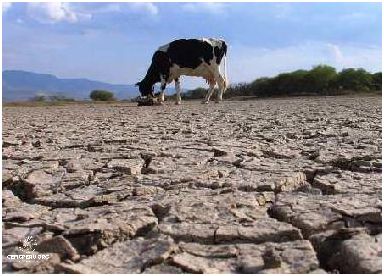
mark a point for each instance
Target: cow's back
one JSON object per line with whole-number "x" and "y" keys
{"x": 188, "y": 53}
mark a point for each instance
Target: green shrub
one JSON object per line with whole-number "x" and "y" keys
{"x": 354, "y": 79}
{"x": 59, "y": 98}
{"x": 101, "y": 95}
{"x": 39, "y": 98}
{"x": 376, "y": 83}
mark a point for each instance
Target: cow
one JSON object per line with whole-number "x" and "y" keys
{"x": 186, "y": 57}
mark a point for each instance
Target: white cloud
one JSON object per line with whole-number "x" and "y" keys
{"x": 6, "y": 6}
{"x": 207, "y": 7}
{"x": 355, "y": 56}
{"x": 143, "y": 7}
{"x": 97, "y": 8}
{"x": 335, "y": 52}
{"x": 103, "y": 8}
{"x": 53, "y": 12}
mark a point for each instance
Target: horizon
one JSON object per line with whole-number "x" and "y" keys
{"x": 272, "y": 76}
{"x": 114, "y": 42}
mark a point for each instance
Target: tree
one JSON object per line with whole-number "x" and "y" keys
{"x": 262, "y": 87}
{"x": 320, "y": 78}
{"x": 354, "y": 79}
{"x": 287, "y": 83}
{"x": 376, "y": 80}
{"x": 297, "y": 82}
{"x": 238, "y": 89}
{"x": 101, "y": 95}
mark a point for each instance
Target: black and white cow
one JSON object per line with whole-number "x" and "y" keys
{"x": 188, "y": 57}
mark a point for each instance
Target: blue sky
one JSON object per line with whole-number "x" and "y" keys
{"x": 114, "y": 42}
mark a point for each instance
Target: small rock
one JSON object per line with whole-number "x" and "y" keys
{"x": 128, "y": 166}
{"x": 163, "y": 268}
{"x": 193, "y": 264}
{"x": 132, "y": 257}
{"x": 10, "y": 142}
{"x": 73, "y": 165}
{"x": 219, "y": 152}
{"x": 361, "y": 254}
{"x": 60, "y": 245}
{"x": 38, "y": 184}
{"x": 36, "y": 144}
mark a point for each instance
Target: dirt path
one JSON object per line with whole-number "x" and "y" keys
{"x": 268, "y": 186}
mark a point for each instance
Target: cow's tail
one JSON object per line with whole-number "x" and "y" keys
{"x": 225, "y": 46}
{"x": 225, "y": 71}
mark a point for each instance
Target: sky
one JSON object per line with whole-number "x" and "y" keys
{"x": 114, "y": 42}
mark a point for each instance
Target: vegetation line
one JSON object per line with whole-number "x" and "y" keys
{"x": 320, "y": 80}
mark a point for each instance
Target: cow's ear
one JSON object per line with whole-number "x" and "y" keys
{"x": 138, "y": 83}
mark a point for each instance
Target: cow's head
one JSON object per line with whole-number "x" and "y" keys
{"x": 145, "y": 88}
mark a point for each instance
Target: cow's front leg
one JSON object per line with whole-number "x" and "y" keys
{"x": 178, "y": 91}
{"x": 222, "y": 87}
{"x": 162, "y": 88}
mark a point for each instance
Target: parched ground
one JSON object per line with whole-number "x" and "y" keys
{"x": 266, "y": 186}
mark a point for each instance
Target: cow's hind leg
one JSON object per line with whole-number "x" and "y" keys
{"x": 222, "y": 87}
{"x": 212, "y": 84}
{"x": 178, "y": 91}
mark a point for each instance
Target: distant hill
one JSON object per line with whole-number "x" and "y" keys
{"x": 22, "y": 85}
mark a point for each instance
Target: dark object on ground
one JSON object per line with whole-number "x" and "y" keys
{"x": 144, "y": 101}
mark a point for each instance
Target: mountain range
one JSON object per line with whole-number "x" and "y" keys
{"x": 21, "y": 85}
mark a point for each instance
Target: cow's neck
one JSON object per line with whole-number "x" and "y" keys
{"x": 152, "y": 76}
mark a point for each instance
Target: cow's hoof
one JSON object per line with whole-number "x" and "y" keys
{"x": 177, "y": 103}
{"x": 161, "y": 103}
{"x": 217, "y": 101}
{"x": 204, "y": 102}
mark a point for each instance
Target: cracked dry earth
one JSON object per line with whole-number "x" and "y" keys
{"x": 267, "y": 186}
